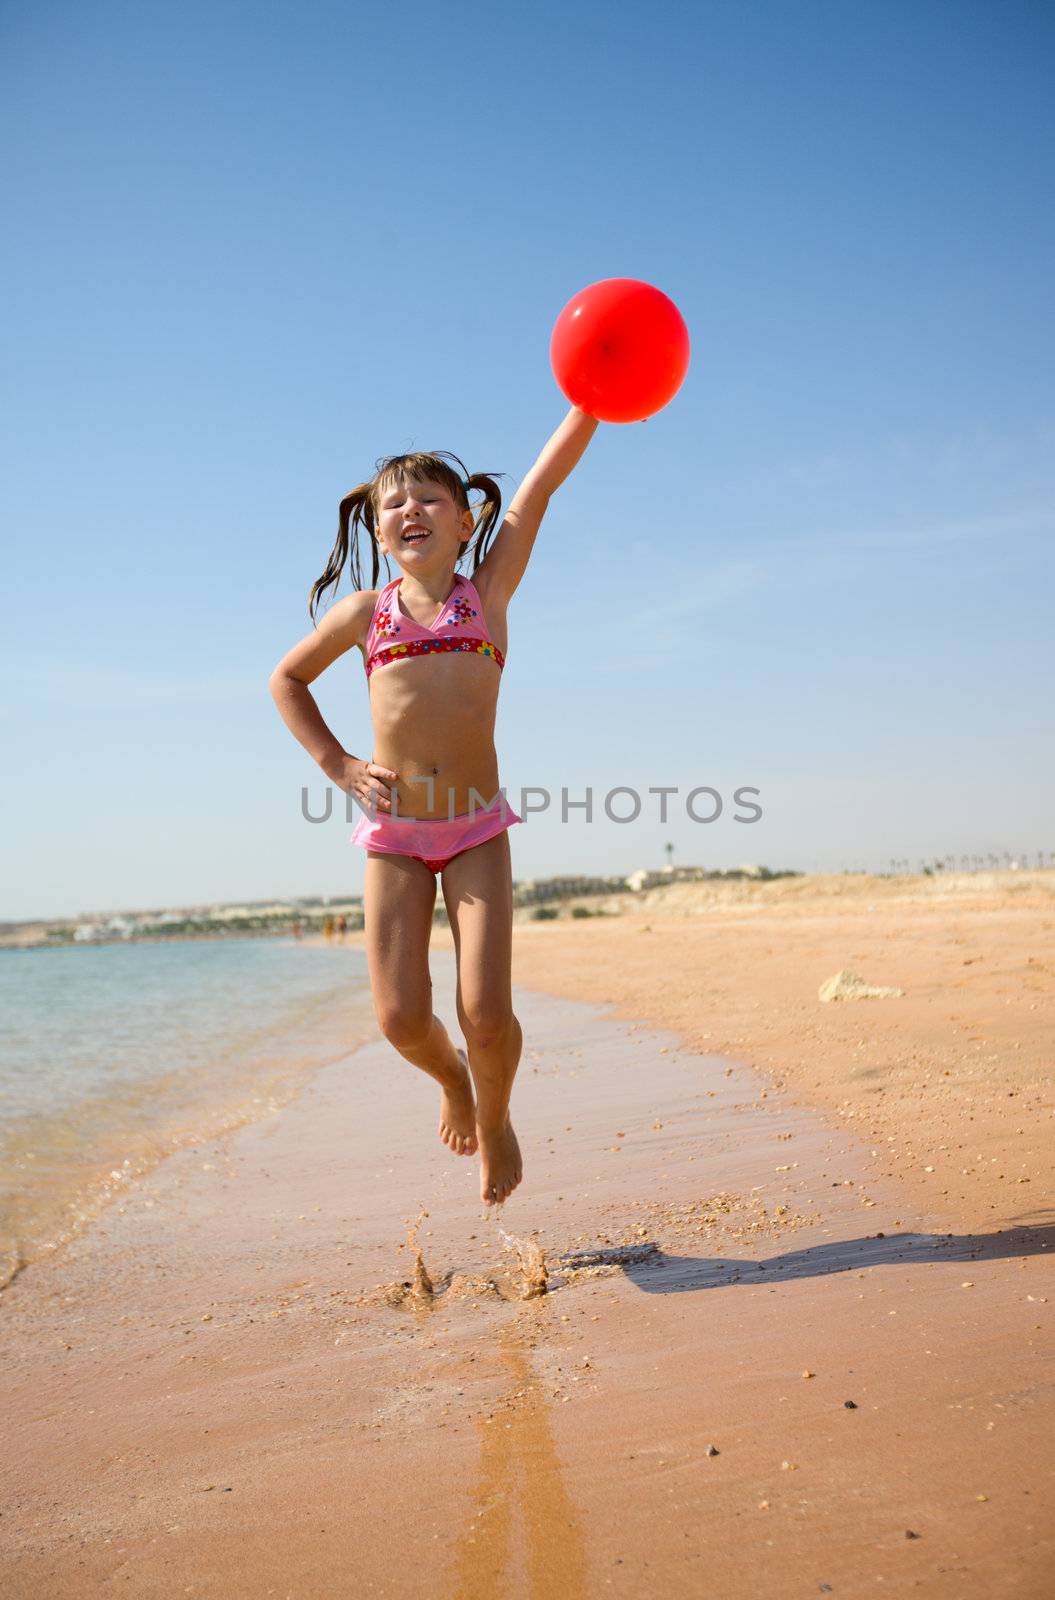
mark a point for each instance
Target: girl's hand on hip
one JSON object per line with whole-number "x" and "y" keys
{"x": 369, "y": 783}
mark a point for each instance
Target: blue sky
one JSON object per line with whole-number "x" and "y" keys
{"x": 253, "y": 248}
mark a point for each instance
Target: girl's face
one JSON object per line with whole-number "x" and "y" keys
{"x": 420, "y": 526}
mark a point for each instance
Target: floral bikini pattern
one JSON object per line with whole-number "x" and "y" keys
{"x": 425, "y": 647}
{"x": 461, "y": 612}
{"x": 385, "y": 628}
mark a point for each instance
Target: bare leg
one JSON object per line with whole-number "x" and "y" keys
{"x": 398, "y": 900}
{"x": 478, "y": 891}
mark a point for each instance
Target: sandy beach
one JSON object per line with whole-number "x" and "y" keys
{"x": 953, "y": 1080}
{"x": 770, "y": 1314}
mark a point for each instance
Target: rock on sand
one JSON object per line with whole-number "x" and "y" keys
{"x": 847, "y": 985}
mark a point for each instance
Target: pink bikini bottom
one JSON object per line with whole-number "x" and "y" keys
{"x": 433, "y": 841}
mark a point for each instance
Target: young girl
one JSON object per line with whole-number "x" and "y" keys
{"x": 433, "y": 643}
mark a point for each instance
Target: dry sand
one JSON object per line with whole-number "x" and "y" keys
{"x": 301, "y": 1361}
{"x": 956, "y": 1076}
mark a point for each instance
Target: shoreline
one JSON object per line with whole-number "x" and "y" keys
{"x": 173, "y": 938}
{"x": 65, "y": 1164}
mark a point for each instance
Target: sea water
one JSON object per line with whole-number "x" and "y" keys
{"x": 113, "y": 1056}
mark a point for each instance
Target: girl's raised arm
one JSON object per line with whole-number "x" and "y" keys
{"x": 506, "y": 562}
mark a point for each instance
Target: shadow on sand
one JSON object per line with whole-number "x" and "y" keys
{"x": 655, "y": 1272}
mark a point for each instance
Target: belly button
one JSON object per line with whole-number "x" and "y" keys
{"x": 435, "y": 772}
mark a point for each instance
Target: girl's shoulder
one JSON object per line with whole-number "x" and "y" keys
{"x": 362, "y": 600}
{"x": 367, "y": 599}
{"x": 351, "y": 618}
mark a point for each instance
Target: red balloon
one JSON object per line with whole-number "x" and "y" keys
{"x": 620, "y": 350}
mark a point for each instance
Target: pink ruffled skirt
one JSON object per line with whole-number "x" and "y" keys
{"x": 436, "y": 840}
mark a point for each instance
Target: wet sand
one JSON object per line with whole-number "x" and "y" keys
{"x": 243, "y": 1381}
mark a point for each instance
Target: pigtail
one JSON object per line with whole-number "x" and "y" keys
{"x": 487, "y": 514}
{"x": 356, "y": 509}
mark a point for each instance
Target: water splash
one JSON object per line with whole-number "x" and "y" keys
{"x": 421, "y": 1287}
{"x": 531, "y": 1260}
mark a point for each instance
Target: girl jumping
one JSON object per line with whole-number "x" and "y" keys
{"x": 433, "y": 643}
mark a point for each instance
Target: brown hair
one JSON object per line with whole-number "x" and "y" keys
{"x": 359, "y": 508}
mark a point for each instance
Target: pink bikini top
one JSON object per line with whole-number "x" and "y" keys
{"x": 458, "y": 625}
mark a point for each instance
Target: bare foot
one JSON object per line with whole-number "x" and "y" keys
{"x": 501, "y": 1167}
{"x": 458, "y": 1114}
